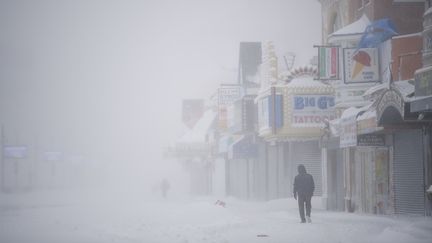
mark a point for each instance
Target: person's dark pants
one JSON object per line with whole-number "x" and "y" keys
{"x": 302, "y": 200}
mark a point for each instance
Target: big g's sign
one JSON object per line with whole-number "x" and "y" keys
{"x": 312, "y": 110}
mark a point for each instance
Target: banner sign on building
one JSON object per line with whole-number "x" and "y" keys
{"x": 312, "y": 110}
{"x": 361, "y": 65}
{"x": 227, "y": 94}
{"x": 328, "y": 62}
{"x": 348, "y": 137}
{"x": 15, "y": 152}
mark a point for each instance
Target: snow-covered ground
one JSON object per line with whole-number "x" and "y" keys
{"x": 91, "y": 217}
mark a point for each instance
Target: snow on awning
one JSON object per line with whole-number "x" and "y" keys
{"x": 335, "y": 126}
{"x": 374, "y": 89}
{"x": 405, "y": 88}
{"x": 353, "y": 111}
{"x": 363, "y": 113}
{"x": 199, "y": 132}
{"x": 371, "y": 113}
{"x": 356, "y": 28}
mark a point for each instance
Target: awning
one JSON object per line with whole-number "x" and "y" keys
{"x": 406, "y": 88}
{"x": 348, "y": 135}
{"x": 395, "y": 105}
{"x": 422, "y": 104}
{"x": 355, "y": 29}
{"x": 376, "y": 89}
{"x": 243, "y": 148}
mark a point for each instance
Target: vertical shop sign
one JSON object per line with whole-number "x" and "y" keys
{"x": 328, "y": 62}
{"x": 227, "y": 94}
{"x": 348, "y": 137}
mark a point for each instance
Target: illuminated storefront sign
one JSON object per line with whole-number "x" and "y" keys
{"x": 312, "y": 110}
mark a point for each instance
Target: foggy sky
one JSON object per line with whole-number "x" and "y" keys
{"x": 106, "y": 78}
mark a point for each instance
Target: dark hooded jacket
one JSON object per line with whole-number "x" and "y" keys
{"x": 303, "y": 183}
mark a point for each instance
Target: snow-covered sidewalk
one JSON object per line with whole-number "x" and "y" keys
{"x": 67, "y": 218}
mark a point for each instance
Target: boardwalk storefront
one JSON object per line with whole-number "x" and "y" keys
{"x": 291, "y": 118}
{"x": 385, "y": 163}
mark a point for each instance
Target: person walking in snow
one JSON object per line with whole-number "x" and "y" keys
{"x": 304, "y": 187}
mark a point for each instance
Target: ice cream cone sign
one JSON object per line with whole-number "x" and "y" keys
{"x": 362, "y": 59}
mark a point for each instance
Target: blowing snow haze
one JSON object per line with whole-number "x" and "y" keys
{"x": 105, "y": 79}
{"x": 215, "y": 121}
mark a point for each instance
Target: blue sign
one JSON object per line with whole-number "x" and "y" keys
{"x": 276, "y": 113}
{"x": 312, "y": 110}
{"x": 307, "y": 102}
{"x": 15, "y": 152}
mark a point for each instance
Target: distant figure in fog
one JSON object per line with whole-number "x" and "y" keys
{"x": 165, "y": 186}
{"x": 304, "y": 187}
